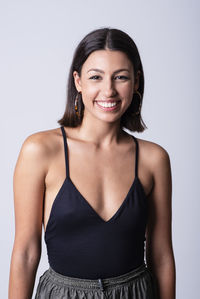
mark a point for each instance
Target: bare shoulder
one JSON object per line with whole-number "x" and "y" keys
{"x": 41, "y": 140}
{"x": 38, "y": 149}
{"x": 151, "y": 147}
{"x": 154, "y": 155}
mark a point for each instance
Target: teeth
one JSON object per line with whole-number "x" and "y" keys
{"x": 107, "y": 104}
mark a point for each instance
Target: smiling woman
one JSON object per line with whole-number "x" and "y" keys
{"x": 101, "y": 193}
{"x": 107, "y": 92}
{"x": 108, "y": 48}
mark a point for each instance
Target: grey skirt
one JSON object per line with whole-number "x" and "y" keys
{"x": 136, "y": 284}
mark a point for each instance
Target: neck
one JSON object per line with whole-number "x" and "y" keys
{"x": 103, "y": 134}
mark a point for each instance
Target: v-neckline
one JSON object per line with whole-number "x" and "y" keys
{"x": 94, "y": 211}
{"x": 79, "y": 193}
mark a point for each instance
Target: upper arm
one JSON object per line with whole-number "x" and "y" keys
{"x": 158, "y": 234}
{"x": 29, "y": 187}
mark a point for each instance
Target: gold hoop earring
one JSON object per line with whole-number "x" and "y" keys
{"x": 76, "y": 105}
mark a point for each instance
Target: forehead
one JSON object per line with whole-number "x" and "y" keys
{"x": 104, "y": 59}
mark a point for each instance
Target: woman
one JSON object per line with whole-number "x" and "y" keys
{"x": 102, "y": 194}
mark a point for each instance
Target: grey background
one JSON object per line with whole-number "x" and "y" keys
{"x": 38, "y": 39}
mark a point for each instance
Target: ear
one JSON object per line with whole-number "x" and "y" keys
{"x": 137, "y": 81}
{"x": 77, "y": 81}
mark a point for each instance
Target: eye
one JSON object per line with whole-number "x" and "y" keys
{"x": 96, "y": 77}
{"x": 122, "y": 77}
{"x": 93, "y": 77}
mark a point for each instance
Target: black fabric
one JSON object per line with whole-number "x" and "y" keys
{"x": 81, "y": 244}
{"x": 136, "y": 284}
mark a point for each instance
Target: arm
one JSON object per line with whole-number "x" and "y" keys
{"x": 159, "y": 249}
{"x": 28, "y": 186}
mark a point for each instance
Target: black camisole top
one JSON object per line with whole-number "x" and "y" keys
{"x": 81, "y": 244}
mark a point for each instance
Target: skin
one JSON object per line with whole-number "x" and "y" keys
{"x": 98, "y": 146}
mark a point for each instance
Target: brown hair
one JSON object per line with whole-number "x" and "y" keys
{"x": 113, "y": 39}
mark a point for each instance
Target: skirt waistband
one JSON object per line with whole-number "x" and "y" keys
{"x": 96, "y": 283}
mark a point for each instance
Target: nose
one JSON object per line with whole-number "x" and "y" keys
{"x": 109, "y": 88}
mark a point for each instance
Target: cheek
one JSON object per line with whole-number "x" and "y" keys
{"x": 126, "y": 91}
{"x": 89, "y": 88}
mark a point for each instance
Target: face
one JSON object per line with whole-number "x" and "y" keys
{"x": 107, "y": 84}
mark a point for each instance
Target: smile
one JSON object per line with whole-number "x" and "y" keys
{"x": 108, "y": 106}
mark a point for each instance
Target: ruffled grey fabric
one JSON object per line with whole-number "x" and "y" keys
{"x": 137, "y": 284}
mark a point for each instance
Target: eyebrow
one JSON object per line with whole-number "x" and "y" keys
{"x": 100, "y": 71}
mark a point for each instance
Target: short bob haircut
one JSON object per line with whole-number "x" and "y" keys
{"x": 100, "y": 39}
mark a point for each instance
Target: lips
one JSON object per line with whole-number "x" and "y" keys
{"x": 108, "y": 101}
{"x": 109, "y": 105}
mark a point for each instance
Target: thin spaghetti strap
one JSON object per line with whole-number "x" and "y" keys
{"x": 136, "y": 156}
{"x": 66, "y": 150}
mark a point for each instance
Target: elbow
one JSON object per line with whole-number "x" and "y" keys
{"x": 29, "y": 255}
